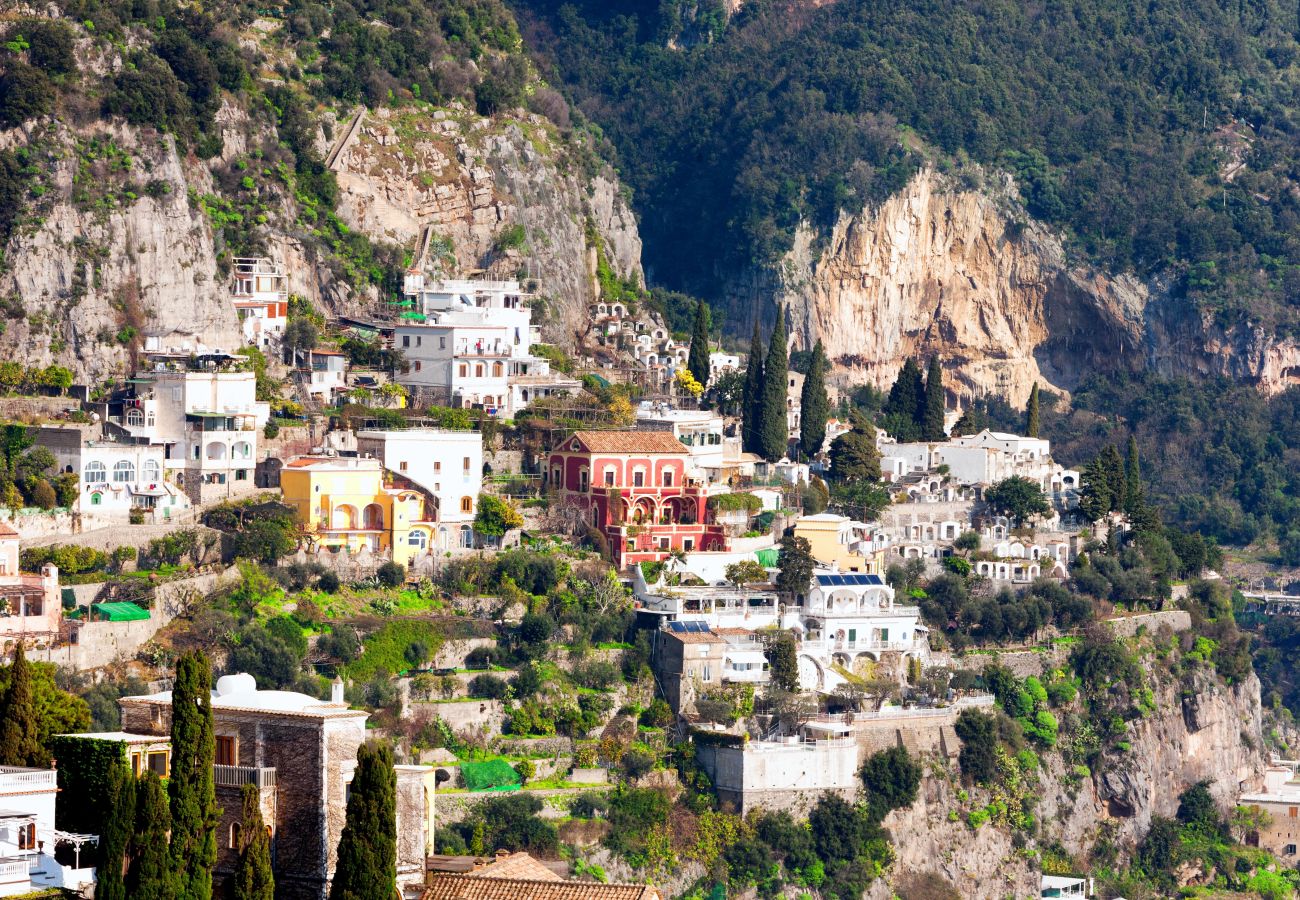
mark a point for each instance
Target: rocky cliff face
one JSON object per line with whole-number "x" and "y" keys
{"x": 469, "y": 181}
{"x": 958, "y": 272}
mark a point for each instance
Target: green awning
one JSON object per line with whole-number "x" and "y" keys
{"x": 767, "y": 558}
{"x": 491, "y": 775}
{"x": 413, "y": 317}
{"x": 119, "y": 612}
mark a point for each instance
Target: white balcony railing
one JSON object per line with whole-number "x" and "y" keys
{"x": 238, "y": 776}
{"x": 14, "y": 870}
{"x": 833, "y": 646}
{"x": 24, "y": 779}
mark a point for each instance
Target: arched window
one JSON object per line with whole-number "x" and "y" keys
{"x": 497, "y": 370}
{"x": 96, "y": 498}
{"x": 466, "y": 537}
{"x": 243, "y": 450}
{"x": 152, "y": 471}
{"x": 123, "y": 470}
{"x": 95, "y": 472}
{"x": 417, "y": 539}
{"x": 134, "y": 417}
{"x": 467, "y": 504}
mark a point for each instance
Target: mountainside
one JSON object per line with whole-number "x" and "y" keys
{"x": 1152, "y": 149}
{"x": 146, "y": 145}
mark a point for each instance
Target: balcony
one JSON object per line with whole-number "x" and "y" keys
{"x": 16, "y": 869}
{"x": 238, "y": 776}
{"x": 818, "y": 645}
{"x": 19, "y": 779}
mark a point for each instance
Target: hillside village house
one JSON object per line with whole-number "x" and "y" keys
{"x": 325, "y": 374}
{"x": 722, "y": 363}
{"x": 1280, "y": 798}
{"x": 700, "y": 432}
{"x": 843, "y": 544}
{"x": 30, "y": 840}
{"x": 115, "y": 477}
{"x": 473, "y": 348}
{"x": 981, "y": 459}
{"x": 261, "y": 294}
{"x": 300, "y": 753}
{"x": 344, "y": 504}
{"x": 635, "y": 488}
{"x": 205, "y": 416}
{"x": 447, "y": 464}
{"x": 30, "y": 604}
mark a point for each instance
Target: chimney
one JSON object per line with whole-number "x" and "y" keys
{"x": 336, "y": 690}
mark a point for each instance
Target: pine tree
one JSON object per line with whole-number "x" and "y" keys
{"x": 905, "y": 398}
{"x": 1133, "y": 496}
{"x": 1031, "y": 413}
{"x": 751, "y": 398}
{"x": 253, "y": 879}
{"x": 116, "y": 833}
{"x": 774, "y": 428}
{"x": 193, "y": 794}
{"x": 697, "y": 361}
{"x": 932, "y": 404}
{"x": 153, "y": 875}
{"x": 367, "y": 859}
{"x": 20, "y": 743}
{"x": 815, "y": 404}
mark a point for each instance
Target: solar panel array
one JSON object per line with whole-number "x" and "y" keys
{"x": 690, "y": 627}
{"x": 849, "y": 580}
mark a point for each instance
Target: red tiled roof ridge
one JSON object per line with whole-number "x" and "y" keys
{"x": 629, "y": 442}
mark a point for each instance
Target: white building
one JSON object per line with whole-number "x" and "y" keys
{"x": 115, "y": 477}
{"x": 447, "y": 464}
{"x": 207, "y": 422}
{"x": 788, "y": 773}
{"x": 699, "y": 430}
{"x": 261, "y": 294}
{"x": 29, "y": 840}
{"x": 326, "y": 373}
{"x": 984, "y": 458}
{"x": 722, "y": 363}
{"x": 474, "y": 348}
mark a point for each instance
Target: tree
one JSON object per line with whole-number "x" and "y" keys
{"x": 193, "y": 794}
{"x": 854, "y": 457}
{"x": 978, "y": 756}
{"x": 796, "y": 567}
{"x": 904, "y": 403}
{"x": 1017, "y": 497}
{"x": 783, "y": 663}
{"x": 1133, "y": 496}
{"x": 967, "y": 542}
{"x": 154, "y": 874}
{"x": 253, "y": 879}
{"x": 697, "y": 361}
{"x": 495, "y": 516}
{"x": 265, "y": 540}
{"x": 774, "y": 428}
{"x": 747, "y": 571}
{"x": 932, "y": 404}
{"x": 116, "y": 832}
{"x": 1095, "y": 500}
{"x": 1031, "y": 412}
{"x": 300, "y": 336}
{"x": 892, "y": 778}
{"x": 25, "y": 93}
{"x": 751, "y": 398}
{"x": 814, "y": 404}
{"x": 686, "y": 382}
{"x": 391, "y": 574}
{"x": 20, "y": 743}
{"x": 367, "y": 856}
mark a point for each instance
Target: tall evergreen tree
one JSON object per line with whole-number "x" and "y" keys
{"x": 932, "y": 404}
{"x": 1112, "y": 469}
{"x": 20, "y": 743}
{"x": 796, "y": 567}
{"x": 1031, "y": 413}
{"x": 751, "y": 398}
{"x": 783, "y": 662}
{"x": 253, "y": 879}
{"x": 1133, "y": 495}
{"x": 153, "y": 875}
{"x": 905, "y": 398}
{"x": 1094, "y": 497}
{"x": 116, "y": 833}
{"x": 697, "y": 361}
{"x": 774, "y": 429}
{"x": 193, "y": 794}
{"x": 814, "y": 403}
{"x": 367, "y": 859}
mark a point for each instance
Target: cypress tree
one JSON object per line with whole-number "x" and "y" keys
{"x": 20, "y": 743}
{"x": 115, "y": 838}
{"x": 751, "y": 402}
{"x": 815, "y": 404}
{"x": 367, "y": 859}
{"x": 153, "y": 875}
{"x": 253, "y": 879}
{"x": 1133, "y": 497}
{"x": 193, "y": 794}
{"x": 697, "y": 361}
{"x": 905, "y": 398}
{"x": 1111, "y": 468}
{"x": 932, "y": 404}
{"x": 1031, "y": 413}
{"x": 774, "y": 429}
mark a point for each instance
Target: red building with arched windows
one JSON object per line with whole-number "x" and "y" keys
{"x": 637, "y": 491}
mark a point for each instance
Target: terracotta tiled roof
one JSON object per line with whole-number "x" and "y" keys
{"x": 6, "y": 531}
{"x": 478, "y": 887}
{"x": 518, "y": 866}
{"x": 625, "y": 442}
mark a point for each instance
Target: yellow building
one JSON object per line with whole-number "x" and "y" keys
{"x": 342, "y": 502}
{"x": 840, "y": 542}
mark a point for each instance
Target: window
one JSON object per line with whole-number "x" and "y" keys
{"x": 583, "y": 476}
{"x": 158, "y": 763}
{"x": 1292, "y": 812}
{"x": 226, "y": 750}
{"x": 27, "y": 836}
{"x": 497, "y": 371}
{"x": 96, "y": 499}
{"x": 1288, "y": 850}
{"x": 234, "y": 836}
{"x": 437, "y": 466}
{"x": 668, "y": 477}
{"x": 609, "y": 477}
{"x": 663, "y": 543}
{"x": 463, "y": 370}
{"x": 466, "y": 537}
{"x": 688, "y": 545}
{"x": 123, "y": 471}
{"x": 706, "y": 674}
{"x": 401, "y": 466}
{"x": 417, "y": 539}
{"x": 853, "y": 635}
{"x": 417, "y": 365}
{"x": 466, "y": 466}
{"x": 467, "y": 504}
{"x": 638, "y": 478}
{"x": 442, "y": 343}
{"x": 406, "y": 340}
{"x": 95, "y": 472}
{"x": 152, "y": 471}
{"x": 134, "y": 417}
{"x": 478, "y": 370}
{"x": 241, "y": 474}
{"x": 137, "y": 763}
{"x": 418, "y": 340}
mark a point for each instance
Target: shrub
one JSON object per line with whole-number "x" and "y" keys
{"x": 488, "y": 687}
{"x": 391, "y": 574}
{"x": 657, "y": 715}
{"x": 636, "y": 764}
{"x": 481, "y": 657}
{"x": 589, "y": 805}
{"x": 25, "y": 93}
{"x": 328, "y": 582}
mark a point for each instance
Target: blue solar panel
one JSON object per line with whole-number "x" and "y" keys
{"x": 851, "y": 579}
